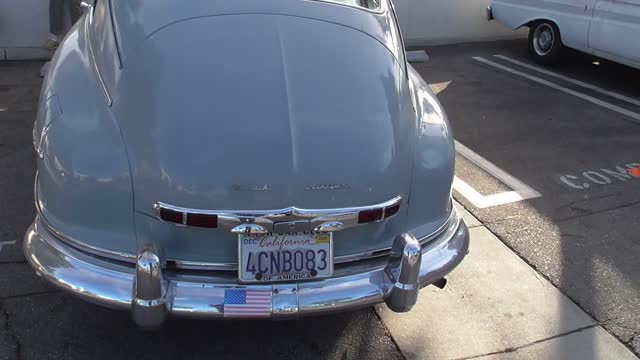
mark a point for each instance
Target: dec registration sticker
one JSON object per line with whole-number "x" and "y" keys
{"x": 285, "y": 257}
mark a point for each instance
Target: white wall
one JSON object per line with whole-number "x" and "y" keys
{"x": 24, "y": 28}
{"x": 435, "y": 22}
{"x": 24, "y": 24}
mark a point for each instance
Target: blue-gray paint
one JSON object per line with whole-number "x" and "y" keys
{"x": 327, "y": 100}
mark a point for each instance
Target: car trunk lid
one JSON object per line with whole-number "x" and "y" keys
{"x": 261, "y": 112}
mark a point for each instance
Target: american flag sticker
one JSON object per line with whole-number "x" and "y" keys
{"x": 247, "y": 303}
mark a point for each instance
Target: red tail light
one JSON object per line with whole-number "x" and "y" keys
{"x": 202, "y": 220}
{"x": 389, "y": 211}
{"x": 171, "y": 216}
{"x": 369, "y": 216}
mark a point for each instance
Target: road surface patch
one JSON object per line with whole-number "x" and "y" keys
{"x": 570, "y": 80}
{"x": 635, "y": 117}
{"x": 6, "y": 243}
{"x": 520, "y": 190}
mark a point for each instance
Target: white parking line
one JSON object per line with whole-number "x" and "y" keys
{"x": 6, "y": 243}
{"x": 571, "y": 80}
{"x": 580, "y": 95}
{"x": 521, "y": 191}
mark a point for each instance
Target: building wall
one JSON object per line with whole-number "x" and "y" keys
{"x": 24, "y": 29}
{"x": 24, "y": 25}
{"x": 436, "y": 22}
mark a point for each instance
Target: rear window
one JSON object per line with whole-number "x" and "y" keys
{"x": 367, "y": 4}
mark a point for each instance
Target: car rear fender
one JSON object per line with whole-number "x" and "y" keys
{"x": 433, "y": 161}
{"x": 83, "y": 189}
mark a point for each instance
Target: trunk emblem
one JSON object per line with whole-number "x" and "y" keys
{"x": 238, "y": 187}
{"x": 325, "y": 187}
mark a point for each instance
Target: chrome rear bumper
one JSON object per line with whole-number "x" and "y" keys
{"x": 152, "y": 293}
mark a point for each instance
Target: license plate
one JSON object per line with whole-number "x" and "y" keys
{"x": 285, "y": 257}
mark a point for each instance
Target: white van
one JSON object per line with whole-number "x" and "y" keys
{"x": 609, "y": 29}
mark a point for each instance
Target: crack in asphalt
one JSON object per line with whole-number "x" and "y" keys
{"x": 623, "y": 206}
{"x": 629, "y": 343}
{"x": 2, "y": 298}
{"x": 598, "y": 197}
{"x": 516, "y": 348}
{"x": 558, "y": 220}
{"x": 11, "y": 334}
{"x": 13, "y": 262}
{"x": 613, "y": 323}
{"x": 388, "y": 332}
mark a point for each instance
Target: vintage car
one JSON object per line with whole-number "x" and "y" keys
{"x": 603, "y": 28}
{"x": 241, "y": 159}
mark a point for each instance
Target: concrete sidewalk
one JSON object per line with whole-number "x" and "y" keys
{"x": 498, "y": 307}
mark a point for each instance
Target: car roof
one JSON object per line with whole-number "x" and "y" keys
{"x": 135, "y": 20}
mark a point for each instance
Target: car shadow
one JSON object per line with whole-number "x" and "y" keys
{"x": 61, "y": 326}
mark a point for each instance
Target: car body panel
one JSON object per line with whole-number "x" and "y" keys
{"x": 571, "y": 16}
{"x": 273, "y": 114}
{"x": 309, "y": 118}
{"x": 298, "y": 107}
{"x": 434, "y": 153}
{"x": 600, "y": 27}
{"x": 266, "y": 110}
{"x": 615, "y": 28}
{"x": 103, "y": 46}
{"x": 83, "y": 186}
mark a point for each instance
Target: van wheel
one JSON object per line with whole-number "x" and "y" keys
{"x": 545, "y": 44}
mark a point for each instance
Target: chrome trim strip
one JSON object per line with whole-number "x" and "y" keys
{"x": 279, "y": 212}
{"x": 249, "y": 229}
{"x": 453, "y": 221}
{"x": 115, "y": 34}
{"x": 230, "y": 219}
{"x": 203, "y": 266}
{"x": 329, "y": 227}
{"x": 377, "y": 11}
{"x": 39, "y": 148}
{"x": 90, "y": 249}
{"x": 95, "y": 65}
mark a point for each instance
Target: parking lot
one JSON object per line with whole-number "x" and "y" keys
{"x": 570, "y": 134}
{"x": 543, "y": 165}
